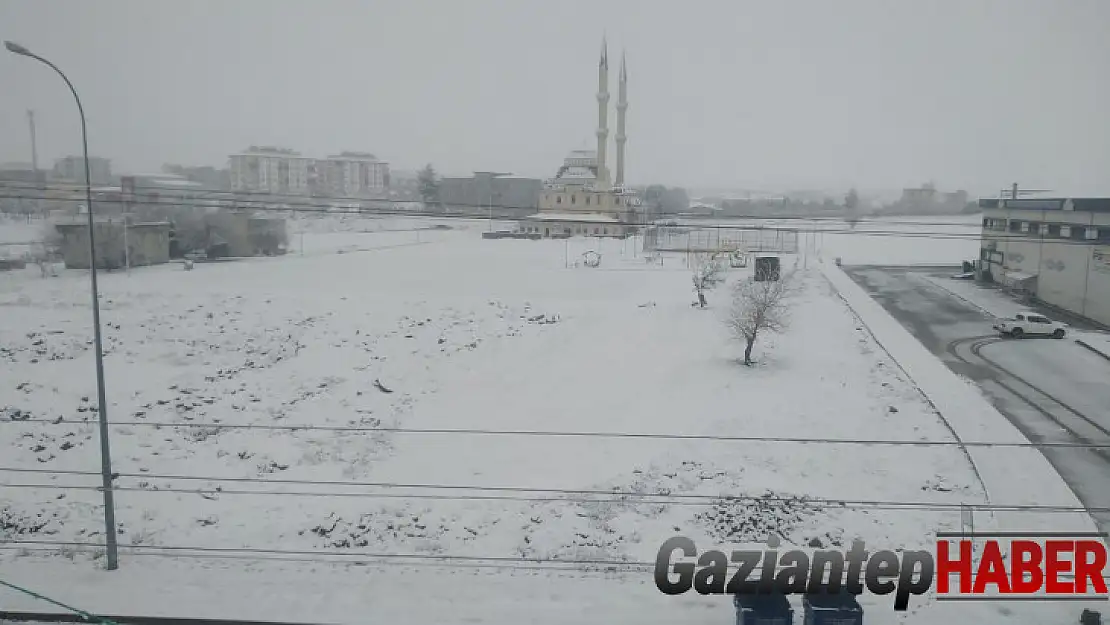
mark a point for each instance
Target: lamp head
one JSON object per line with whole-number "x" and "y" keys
{"x": 16, "y": 48}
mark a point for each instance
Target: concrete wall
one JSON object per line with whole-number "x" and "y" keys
{"x": 1062, "y": 274}
{"x": 549, "y": 227}
{"x": 1096, "y": 303}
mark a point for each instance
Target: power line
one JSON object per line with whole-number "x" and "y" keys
{"x": 377, "y": 558}
{"x": 175, "y": 550}
{"x": 271, "y": 197}
{"x": 580, "y": 434}
{"x": 680, "y": 229}
{"x": 340, "y": 558}
{"x": 308, "y": 205}
{"x": 573, "y": 496}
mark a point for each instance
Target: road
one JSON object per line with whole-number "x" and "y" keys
{"x": 1052, "y": 390}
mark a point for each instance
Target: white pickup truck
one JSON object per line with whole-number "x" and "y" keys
{"x": 1030, "y": 324}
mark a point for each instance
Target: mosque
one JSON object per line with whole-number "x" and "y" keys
{"x": 583, "y": 199}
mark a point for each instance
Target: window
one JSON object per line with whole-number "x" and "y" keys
{"x": 595, "y": 230}
{"x": 587, "y": 200}
{"x": 573, "y": 199}
{"x": 558, "y": 199}
{"x": 1092, "y": 234}
{"x": 1043, "y": 229}
{"x": 1015, "y": 225}
{"x": 1019, "y": 317}
{"x": 986, "y": 223}
{"x": 1064, "y": 232}
{"x": 1024, "y": 227}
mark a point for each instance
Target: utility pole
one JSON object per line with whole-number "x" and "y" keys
{"x": 110, "y": 546}
{"x": 34, "y": 155}
{"x": 34, "y": 142}
{"x": 126, "y": 227}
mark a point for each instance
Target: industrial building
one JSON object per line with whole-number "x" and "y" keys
{"x": 1056, "y": 250}
{"x": 491, "y": 193}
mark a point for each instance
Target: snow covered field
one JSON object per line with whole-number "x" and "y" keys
{"x": 255, "y": 408}
{"x": 942, "y": 239}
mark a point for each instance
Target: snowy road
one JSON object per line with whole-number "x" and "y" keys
{"x": 1053, "y": 391}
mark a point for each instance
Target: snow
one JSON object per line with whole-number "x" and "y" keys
{"x": 972, "y": 419}
{"x": 478, "y": 335}
{"x": 891, "y": 241}
{"x": 1097, "y": 341}
{"x": 996, "y": 303}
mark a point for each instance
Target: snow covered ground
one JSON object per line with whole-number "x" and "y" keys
{"x": 946, "y": 240}
{"x": 244, "y": 396}
{"x": 997, "y": 304}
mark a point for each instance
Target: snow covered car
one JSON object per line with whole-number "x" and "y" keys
{"x": 1030, "y": 324}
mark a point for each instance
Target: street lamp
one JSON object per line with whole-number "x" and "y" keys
{"x": 102, "y": 403}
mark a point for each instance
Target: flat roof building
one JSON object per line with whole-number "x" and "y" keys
{"x": 1054, "y": 249}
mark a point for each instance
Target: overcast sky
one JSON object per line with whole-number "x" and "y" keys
{"x": 727, "y": 93}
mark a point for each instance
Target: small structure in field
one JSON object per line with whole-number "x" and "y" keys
{"x": 142, "y": 244}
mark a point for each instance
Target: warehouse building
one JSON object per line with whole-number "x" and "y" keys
{"x": 1056, "y": 250}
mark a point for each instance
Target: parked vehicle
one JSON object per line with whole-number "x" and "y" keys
{"x": 1030, "y": 324}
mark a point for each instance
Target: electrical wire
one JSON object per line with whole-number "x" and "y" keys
{"x": 580, "y": 434}
{"x": 531, "y": 212}
{"x": 376, "y": 558}
{"x": 270, "y": 198}
{"x": 574, "y": 496}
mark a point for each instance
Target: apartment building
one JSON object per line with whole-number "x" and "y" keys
{"x": 1057, "y": 250}
{"x": 352, "y": 175}
{"x": 268, "y": 169}
{"x": 72, "y": 168}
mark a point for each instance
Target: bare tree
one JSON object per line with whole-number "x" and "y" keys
{"x": 48, "y": 251}
{"x": 851, "y": 208}
{"x": 708, "y": 273}
{"x": 758, "y": 307}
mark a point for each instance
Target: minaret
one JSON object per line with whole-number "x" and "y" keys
{"x": 602, "y": 115}
{"x": 622, "y": 106}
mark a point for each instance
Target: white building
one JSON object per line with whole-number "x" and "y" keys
{"x": 582, "y": 198}
{"x": 1057, "y": 250}
{"x": 271, "y": 170}
{"x": 352, "y": 175}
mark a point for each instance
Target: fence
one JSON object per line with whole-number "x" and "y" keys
{"x": 718, "y": 239}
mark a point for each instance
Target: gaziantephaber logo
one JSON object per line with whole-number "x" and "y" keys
{"x": 996, "y": 566}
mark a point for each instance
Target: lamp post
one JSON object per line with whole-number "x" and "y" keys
{"x": 102, "y": 403}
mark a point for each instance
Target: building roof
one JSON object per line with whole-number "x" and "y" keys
{"x": 83, "y": 223}
{"x": 353, "y": 156}
{"x": 1088, "y": 205}
{"x": 590, "y": 217}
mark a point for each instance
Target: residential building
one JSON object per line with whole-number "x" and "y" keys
{"x": 1056, "y": 250}
{"x": 352, "y": 175}
{"x": 72, "y": 168}
{"x": 272, "y": 170}
{"x": 491, "y": 193}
